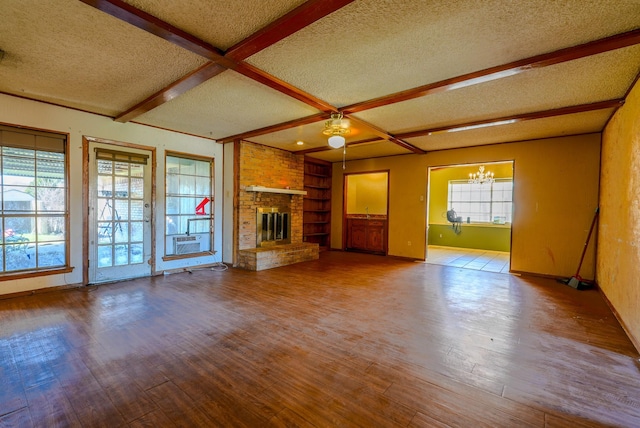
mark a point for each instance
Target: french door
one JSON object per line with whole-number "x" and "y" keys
{"x": 120, "y": 214}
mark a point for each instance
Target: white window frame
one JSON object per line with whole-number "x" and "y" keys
{"x": 468, "y": 200}
{"x": 182, "y": 223}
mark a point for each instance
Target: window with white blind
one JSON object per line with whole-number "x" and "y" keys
{"x": 189, "y": 201}
{"x": 482, "y": 203}
{"x": 33, "y": 211}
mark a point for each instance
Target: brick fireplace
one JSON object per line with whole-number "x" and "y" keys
{"x": 272, "y": 169}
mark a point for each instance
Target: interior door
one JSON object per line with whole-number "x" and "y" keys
{"x": 120, "y": 214}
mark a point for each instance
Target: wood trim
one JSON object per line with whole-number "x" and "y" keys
{"x": 149, "y": 23}
{"x": 67, "y": 222}
{"x": 34, "y": 273}
{"x": 351, "y": 144}
{"x": 493, "y": 73}
{"x": 213, "y": 140}
{"x": 519, "y": 118}
{"x": 300, "y": 17}
{"x": 85, "y": 212}
{"x": 283, "y": 87}
{"x": 85, "y": 197}
{"x": 236, "y": 201}
{"x": 187, "y": 155}
{"x": 275, "y": 128}
{"x": 317, "y": 161}
{"x": 166, "y": 31}
{"x": 385, "y": 135}
{"x": 179, "y": 87}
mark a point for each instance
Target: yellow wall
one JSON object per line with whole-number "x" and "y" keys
{"x": 555, "y": 195}
{"x": 439, "y": 185}
{"x": 619, "y": 224}
{"x": 367, "y": 193}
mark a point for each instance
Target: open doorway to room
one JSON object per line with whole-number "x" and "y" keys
{"x": 365, "y": 214}
{"x": 470, "y": 208}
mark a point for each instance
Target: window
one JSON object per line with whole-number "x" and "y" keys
{"x": 482, "y": 203}
{"x": 33, "y": 214}
{"x": 189, "y": 197}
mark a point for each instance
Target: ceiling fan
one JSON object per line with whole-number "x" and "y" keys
{"x": 336, "y": 128}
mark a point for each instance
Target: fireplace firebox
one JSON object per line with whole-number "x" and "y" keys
{"x": 273, "y": 227}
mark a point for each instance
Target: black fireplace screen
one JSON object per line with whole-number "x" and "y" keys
{"x": 273, "y": 227}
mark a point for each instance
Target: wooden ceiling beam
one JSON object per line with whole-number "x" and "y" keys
{"x": 275, "y": 128}
{"x": 283, "y": 87}
{"x": 351, "y": 144}
{"x": 386, "y": 136}
{"x": 616, "y": 103}
{"x": 563, "y": 55}
{"x": 583, "y": 108}
{"x": 293, "y": 21}
{"x": 178, "y": 87}
{"x": 149, "y": 23}
{"x": 300, "y": 17}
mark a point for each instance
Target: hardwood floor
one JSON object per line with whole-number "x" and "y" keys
{"x": 349, "y": 340}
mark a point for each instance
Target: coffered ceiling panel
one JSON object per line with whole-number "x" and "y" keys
{"x": 214, "y": 21}
{"x": 311, "y": 135}
{"x": 226, "y": 105}
{"x": 68, "y": 53}
{"x": 539, "y": 89}
{"x": 371, "y": 48}
{"x": 362, "y": 151}
{"x": 573, "y": 124}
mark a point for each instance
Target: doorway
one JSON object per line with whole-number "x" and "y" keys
{"x": 120, "y": 219}
{"x": 366, "y": 206}
{"x": 469, "y": 215}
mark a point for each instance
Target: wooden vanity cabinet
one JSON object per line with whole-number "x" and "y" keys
{"x": 367, "y": 235}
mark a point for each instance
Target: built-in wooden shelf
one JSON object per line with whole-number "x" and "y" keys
{"x": 316, "y": 218}
{"x": 311, "y": 186}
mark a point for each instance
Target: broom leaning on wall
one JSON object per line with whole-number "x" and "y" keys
{"x": 576, "y": 281}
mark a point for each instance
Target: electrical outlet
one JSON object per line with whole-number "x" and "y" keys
{"x": 441, "y": 235}
{"x": 409, "y": 243}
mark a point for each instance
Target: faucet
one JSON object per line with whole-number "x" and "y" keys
{"x": 367, "y": 209}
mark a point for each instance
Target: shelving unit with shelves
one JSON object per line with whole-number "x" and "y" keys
{"x": 316, "y": 220}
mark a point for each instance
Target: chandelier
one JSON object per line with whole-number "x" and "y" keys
{"x": 336, "y": 128}
{"x": 481, "y": 177}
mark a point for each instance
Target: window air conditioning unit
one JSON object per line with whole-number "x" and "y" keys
{"x": 187, "y": 244}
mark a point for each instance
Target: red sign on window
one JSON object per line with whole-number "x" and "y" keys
{"x": 201, "y": 205}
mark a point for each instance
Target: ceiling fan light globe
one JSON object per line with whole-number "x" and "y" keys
{"x": 336, "y": 141}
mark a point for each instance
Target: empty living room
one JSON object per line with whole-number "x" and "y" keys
{"x": 319, "y": 213}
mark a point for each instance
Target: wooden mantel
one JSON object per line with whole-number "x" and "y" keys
{"x": 274, "y": 190}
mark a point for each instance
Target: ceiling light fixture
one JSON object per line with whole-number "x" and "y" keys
{"x": 336, "y": 128}
{"x": 481, "y": 177}
{"x": 300, "y": 143}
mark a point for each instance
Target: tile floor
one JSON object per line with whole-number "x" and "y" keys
{"x": 469, "y": 258}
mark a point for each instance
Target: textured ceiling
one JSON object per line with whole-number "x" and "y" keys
{"x": 572, "y": 124}
{"x": 68, "y": 53}
{"x": 307, "y": 58}
{"x": 372, "y": 48}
